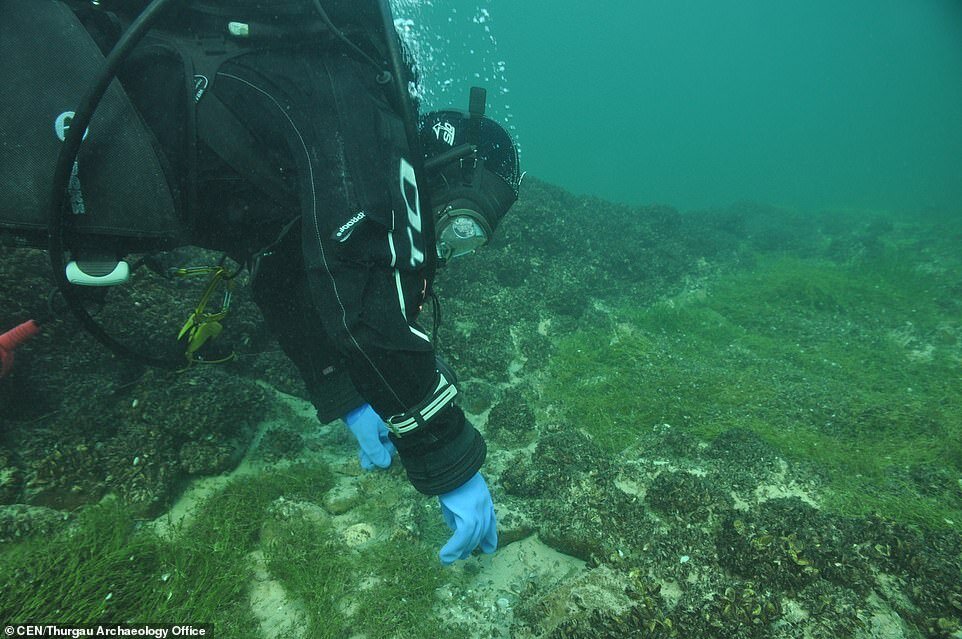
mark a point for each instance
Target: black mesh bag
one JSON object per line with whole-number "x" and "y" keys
{"x": 120, "y": 191}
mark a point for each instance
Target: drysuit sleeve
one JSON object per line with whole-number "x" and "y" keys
{"x": 444, "y": 455}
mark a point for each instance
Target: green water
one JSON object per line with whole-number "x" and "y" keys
{"x": 854, "y": 104}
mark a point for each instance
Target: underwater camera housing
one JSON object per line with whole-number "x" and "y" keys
{"x": 473, "y": 173}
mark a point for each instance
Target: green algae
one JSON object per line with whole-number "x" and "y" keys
{"x": 107, "y": 570}
{"x": 850, "y": 367}
{"x": 110, "y": 567}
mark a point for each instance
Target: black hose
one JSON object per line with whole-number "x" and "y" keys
{"x": 65, "y": 161}
{"x": 383, "y": 76}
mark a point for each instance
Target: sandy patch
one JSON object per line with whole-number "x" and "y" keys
{"x": 328, "y": 447}
{"x": 482, "y": 605}
{"x": 278, "y": 615}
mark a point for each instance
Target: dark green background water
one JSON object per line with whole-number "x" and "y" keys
{"x": 821, "y": 103}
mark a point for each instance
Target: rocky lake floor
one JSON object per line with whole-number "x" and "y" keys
{"x": 744, "y": 422}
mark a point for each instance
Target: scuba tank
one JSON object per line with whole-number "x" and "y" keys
{"x": 121, "y": 193}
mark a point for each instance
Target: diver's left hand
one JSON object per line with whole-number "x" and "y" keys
{"x": 469, "y": 512}
{"x": 372, "y": 437}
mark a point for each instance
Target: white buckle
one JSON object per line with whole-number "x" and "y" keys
{"x": 404, "y": 423}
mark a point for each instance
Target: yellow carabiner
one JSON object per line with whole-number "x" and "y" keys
{"x": 202, "y": 326}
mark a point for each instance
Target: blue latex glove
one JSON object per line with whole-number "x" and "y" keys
{"x": 469, "y": 512}
{"x": 371, "y": 434}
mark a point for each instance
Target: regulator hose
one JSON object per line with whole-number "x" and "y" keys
{"x": 65, "y": 161}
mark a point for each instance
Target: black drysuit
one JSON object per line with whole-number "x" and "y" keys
{"x": 343, "y": 288}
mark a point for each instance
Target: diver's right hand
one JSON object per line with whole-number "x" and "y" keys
{"x": 469, "y": 513}
{"x": 372, "y": 436}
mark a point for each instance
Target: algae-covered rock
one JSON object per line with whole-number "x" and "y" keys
{"x": 575, "y": 605}
{"x": 929, "y": 565}
{"x": 21, "y": 521}
{"x": 63, "y": 473}
{"x": 601, "y": 603}
{"x": 788, "y": 544}
{"x": 11, "y": 478}
{"x": 687, "y": 496}
{"x": 582, "y": 512}
{"x": 85, "y": 422}
{"x": 207, "y": 457}
{"x": 746, "y": 456}
{"x": 557, "y": 461}
{"x": 343, "y": 497}
{"x": 476, "y": 395}
{"x": 279, "y": 443}
{"x": 511, "y": 421}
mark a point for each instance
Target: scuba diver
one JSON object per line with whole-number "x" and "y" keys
{"x": 283, "y": 133}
